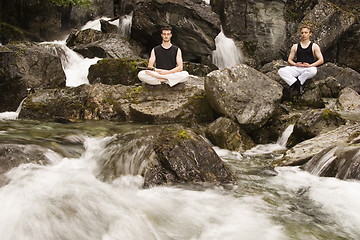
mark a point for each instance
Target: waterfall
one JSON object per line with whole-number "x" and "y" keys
{"x": 272, "y": 147}
{"x": 96, "y": 25}
{"x": 321, "y": 164}
{"x": 11, "y": 115}
{"x": 75, "y": 66}
{"x": 226, "y": 53}
{"x": 285, "y": 136}
{"x": 125, "y": 25}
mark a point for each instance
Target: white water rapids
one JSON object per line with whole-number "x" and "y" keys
{"x": 67, "y": 199}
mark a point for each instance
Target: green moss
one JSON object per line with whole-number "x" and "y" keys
{"x": 38, "y": 107}
{"x": 137, "y": 90}
{"x": 184, "y": 134}
{"x": 328, "y": 114}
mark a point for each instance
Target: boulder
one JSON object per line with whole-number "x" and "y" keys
{"x": 244, "y": 95}
{"x": 62, "y": 105}
{"x": 161, "y": 104}
{"x": 195, "y": 26}
{"x": 163, "y": 155}
{"x": 276, "y": 125}
{"x": 340, "y": 161}
{"x": 304, "y": 151}
{"x": 24, "y": 67}
{"x": 152, "y": 104}
{"x": 93, "y": 43}
{"x": 107, "y": 27}
{"x": 10, "y": 33}
{"x": 313, "y": 123}
{"x": 347, "y": 77}
{"x": 227, "y": 134}
{"x": 184, "y": 157}
{"x": 86, "y": 36}
{"x": 349, "y": 101}
{"x": 312, "y": 96}
{"x": 348, "y": 48}
{"x": 198, "y": 69}
{"x": 12, "y": 155}
{"x": 329, "y": 87}
{"x": 114, "y": 71}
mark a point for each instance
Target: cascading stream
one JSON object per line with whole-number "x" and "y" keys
{"x": 226, "y": 53}
{"x": 70, "y": 199}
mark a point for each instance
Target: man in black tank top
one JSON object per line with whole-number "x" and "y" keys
{"x": 168, "y": 60}
{"x": 308, "y": 56}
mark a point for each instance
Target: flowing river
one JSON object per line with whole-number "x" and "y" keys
{"x": 68, "y": 198}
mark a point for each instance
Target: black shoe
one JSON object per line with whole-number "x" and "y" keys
{"x": 302, "y": 89}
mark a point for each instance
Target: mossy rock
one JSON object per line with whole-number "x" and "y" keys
{"x": 312, "y": 123}
{"x": 10, "y": 33}
{"x": 116, "y": 71}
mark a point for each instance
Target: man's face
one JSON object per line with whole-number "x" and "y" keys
{"x": 166, "y": 35}
{"x": 305, "y": 33}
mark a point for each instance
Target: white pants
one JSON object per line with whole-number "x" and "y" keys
{"x": 290, "y": 74}
{"x": 172, "y": 79}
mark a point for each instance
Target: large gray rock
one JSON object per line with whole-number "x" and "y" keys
{"x": 304, "y": 151}
{"x": 184, "y": 157}
{"x": 24, "y": 67}
{"x": 347, "y": 77}
{"x": 162, "y": 104}
{"x": 12, "y": 155}
{"x": 61, "y": 105}
{"x": 152, "y": 104}
{"x": 10, "y": 33}
{"x": 93, "y": 43}
{"x": 244, "y": 95}
{"x": 227, "y": 134}
{"x": 195, "y": 26}
{"x": 348, "y": 49}
{"x": 349, "y": 101}
{"x": 168, "y": 154}
{"x": 114, "y": 71}
{"x": 313, "y": 123}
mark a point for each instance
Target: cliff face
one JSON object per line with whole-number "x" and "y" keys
{"x": 45, "y": 20}
{"x": 267, "y": 29}
{"x": 263, "y": 29}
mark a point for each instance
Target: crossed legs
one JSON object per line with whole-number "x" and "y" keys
{"x": 154, "y": 78}
{"x": 291, "y": 74}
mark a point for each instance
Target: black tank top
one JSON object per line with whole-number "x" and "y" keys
{"x": 305, "y": 54}
{"x": 165, "y": 58}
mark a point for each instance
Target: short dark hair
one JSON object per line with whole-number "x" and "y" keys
{"x": 166, "y": 27}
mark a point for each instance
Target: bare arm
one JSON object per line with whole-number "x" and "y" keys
{"x": 318, "y": 55}
{"x": 292, "y": 55}
{"x": 152, "y": 59}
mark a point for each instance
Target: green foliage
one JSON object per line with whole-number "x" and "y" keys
{"x": 71, "y": 2}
